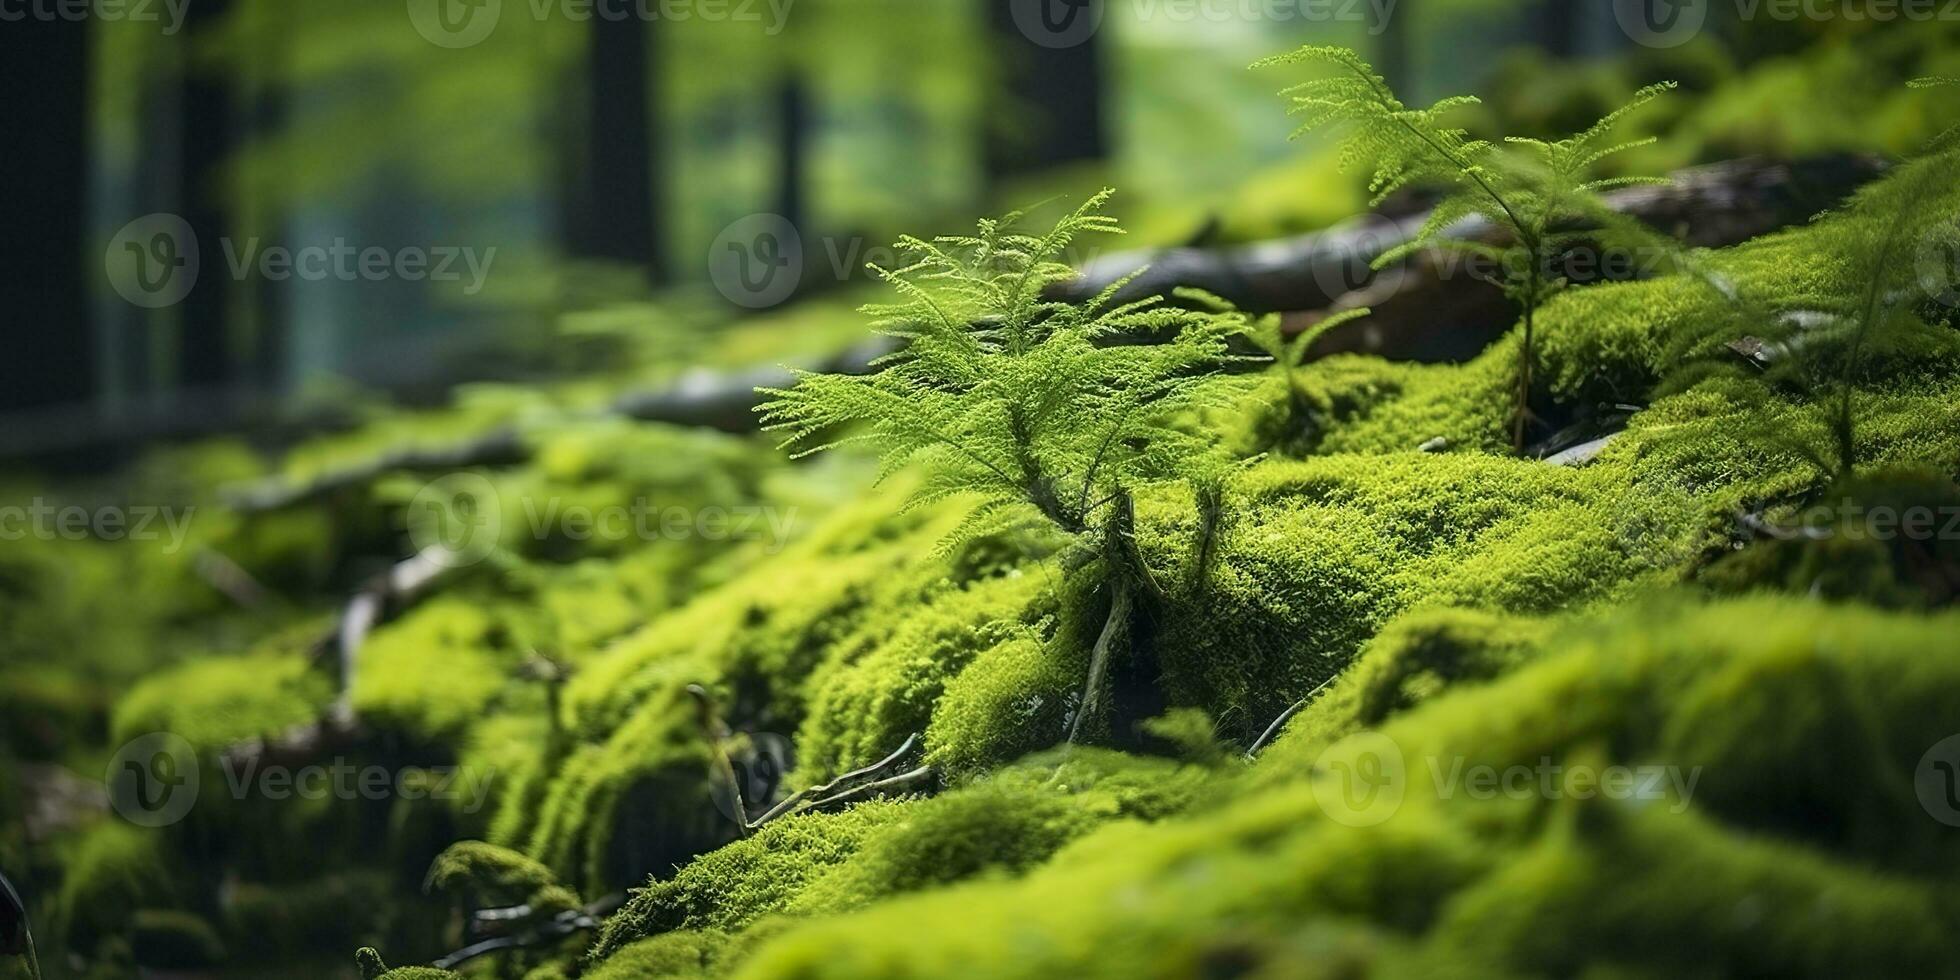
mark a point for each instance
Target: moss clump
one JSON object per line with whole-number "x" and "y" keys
{"x": 1890, "y": 538}
{"x": 1415, "y": 658}
{"x": 866, "y": 699}
{"x": 433, "y": 672}
{"x": 111, "y": 871}
{"x": 1323, "y": 553}
{"x": 311, "y": 916}
{"x": 1693, "y": 876}
{"x": 679, "y": 955}
{"x": 167, "y": 939}
{"x": 827, "y": 863}
{"x": 371, "y": 967}
{"x": 217, "y": 702}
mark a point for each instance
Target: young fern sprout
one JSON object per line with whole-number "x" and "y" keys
{"x": 1544, "y": 196}
{"x": 1895, "y": 244}
{"x": 1297, "y": 410}
{"x": 1051, "y": 413}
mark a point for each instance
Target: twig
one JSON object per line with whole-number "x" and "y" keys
{"x": 1284, "y": 717}
{"x": 563, "y": 924}
{"x": 1113, "y": 626}
{"x": 366, "y": 609}
{"x": 791, "y": 805}
{"x": 869, "y": 790}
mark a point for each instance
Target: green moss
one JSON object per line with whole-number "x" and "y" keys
{"x": 217, "y": 702}
{"x": 1701, "y": 882}
{"x": 110, "y": 872}
{"x": 314, "y": 915}
{"x": 1881, "y": 538}
{"x": 825, "y": 863}
{"x": 733, "y": 886}
{"x": 1322, "y": 553}
{"x": 369, "y": 964}
{"x": 1014, "y": 698}
{"x": 673, "y": 954}
{"x": 168, "y": 939}
{"x": 1415, "y": 658}
{"x": 433, "y": 672}
{"x": 864, "y": 701}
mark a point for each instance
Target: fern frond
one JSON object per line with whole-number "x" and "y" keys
{"x": 1035, "y": 405}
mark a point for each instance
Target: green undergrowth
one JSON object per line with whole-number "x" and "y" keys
{"x": 1836, "y": 707}
{"x": 1460, "y": 605}
{"x": 828, "y": 863}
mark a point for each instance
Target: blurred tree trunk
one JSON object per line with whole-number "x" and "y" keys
{"x": 612, "y": 206}
{"x": 1558, "y": 27}
{"x": 208, "y": 135}
{"x": 1047, "y": 109}
{"x": 47, "y": 286}
{"x": 1394, "y": 56}
{"x": 792, "y": 148}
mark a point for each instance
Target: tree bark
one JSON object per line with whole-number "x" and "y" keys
{"x": 1047, "y": 109}
{"x": 44, "y": 64}
{"x": 205, "y": 353}
{"x": 792, "y": 150}
{"x": 612, "y": 208}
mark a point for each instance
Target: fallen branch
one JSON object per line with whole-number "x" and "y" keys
{"x": 380, "y": 597}
{"x": 707, "y": 399}
{"x": 557, "y": 927}
{"x": 1431, "y": 312}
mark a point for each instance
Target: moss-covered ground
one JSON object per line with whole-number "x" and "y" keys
{"x": 1552, "y": 721}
